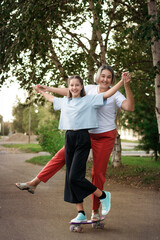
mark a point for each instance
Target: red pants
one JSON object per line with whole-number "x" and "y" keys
{"x": 53, "y": 166}
{"x": 102, "y": 145}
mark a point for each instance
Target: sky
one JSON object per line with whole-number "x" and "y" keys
{"x": 8, "y": 99}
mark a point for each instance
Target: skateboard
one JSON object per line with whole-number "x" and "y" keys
{"x": 76, "y": 227}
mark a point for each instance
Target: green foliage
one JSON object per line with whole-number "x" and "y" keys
{"x": 21, "y": 118}
{"x": 132, "y": 52}
{"x": 43, "y": 42}
{"x": 50, "y": 137}
{"x": 135, "y": 171}
{"x": 1, "y": 118}
{"x": 33, "y": 34}
{"x": 34, "y": 119}
{"x": 17, "y": 112}
{"x": 4, "y": 129}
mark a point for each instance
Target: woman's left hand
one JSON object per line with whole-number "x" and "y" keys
{"x": 126, "y": 77}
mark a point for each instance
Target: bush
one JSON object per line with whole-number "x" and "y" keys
{"x": 50, "y": 137}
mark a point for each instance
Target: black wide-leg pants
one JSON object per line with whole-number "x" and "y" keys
{"x": 77, "y": 148}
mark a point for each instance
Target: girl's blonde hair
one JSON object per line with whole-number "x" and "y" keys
{"x": 83, "y": 93}
{"x": 104, "y": 67}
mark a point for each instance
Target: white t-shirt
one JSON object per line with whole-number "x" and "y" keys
{"x": 78, "y": 113}
{"x": 106, "y": 114}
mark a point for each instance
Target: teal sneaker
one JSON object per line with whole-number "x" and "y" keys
{"x": 106, "y": 203}
{"x": 80, "y": 218}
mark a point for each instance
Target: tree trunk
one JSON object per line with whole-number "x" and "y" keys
{"x": 116, "y": 154}
{"x": 97, "y": 37}
{"x": 152, "y": 11}
{"x": 29, "y": 124}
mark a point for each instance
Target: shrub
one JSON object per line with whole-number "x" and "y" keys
{"x": 50, "y": 137}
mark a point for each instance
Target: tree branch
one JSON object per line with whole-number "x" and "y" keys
{"x": 98, "y": 32}
{"x": 56, "y": 61}
{"x": 137, "y": 13}
{"x": 111, "y": 21}
{"x": 81, "y": 44}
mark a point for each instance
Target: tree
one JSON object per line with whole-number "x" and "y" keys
{"x": 6, "y": 127}
{"x": 154, "y": 17}
{"x": 1, "y": 118}
{"x": 134, "y": 54}
{"x": 21, "y": 118}
{"x": 41, "y": 47}
{"x": 17, "y": 113}
{"x": 30, "y": 115}
{"x": 32, "y": 39}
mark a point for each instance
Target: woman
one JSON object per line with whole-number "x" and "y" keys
{"x": 102, "y": 138}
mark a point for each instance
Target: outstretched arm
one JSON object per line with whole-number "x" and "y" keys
{"x": 128, "y": 104}
{"x": 60, "y": 91}
{"x": 113, "y": 90}
{"x": 47, "y": 96}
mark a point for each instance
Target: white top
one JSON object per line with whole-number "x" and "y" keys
{"x": 78, "y": 113}
{"x": 106, "y": 114}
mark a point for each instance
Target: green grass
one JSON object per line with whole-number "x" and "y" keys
{"x": 135, "y": 171}
{"x": 141, "y": 161}
{"x": 129, "y": 141}
{"x": 130, "y": 150}
{"x": 34, "y": 147}
{"x": 29, "y": 148}
{"x": 40, "y": 160}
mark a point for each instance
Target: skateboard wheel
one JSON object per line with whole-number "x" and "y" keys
{"x": 93, "y": 225}
{"x": 101, "y": 225}
{"x": 74, "y": 228}
{"x": 98, "y": 225}
{"x": 71, "y": 228}
{"x": 79, "y": 229}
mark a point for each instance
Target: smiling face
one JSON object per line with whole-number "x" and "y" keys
{"x": 105, "y": 80}
{"x": 75, "y": 87}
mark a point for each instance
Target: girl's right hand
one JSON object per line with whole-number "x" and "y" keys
{"x": 42, "y": 87}
{"x": 38, "y": 88}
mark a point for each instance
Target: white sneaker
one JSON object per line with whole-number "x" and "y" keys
{"x": 95, "y": 216}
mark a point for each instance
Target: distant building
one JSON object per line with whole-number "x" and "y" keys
{"x": 128, "y": 134}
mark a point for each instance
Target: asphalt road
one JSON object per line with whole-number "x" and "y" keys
{"x": 135, "y": 213}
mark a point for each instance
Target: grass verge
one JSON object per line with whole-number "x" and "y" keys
{"x": 28, "y": 148}
{"x": 141, "y": 172}
{"x": 40, "y": 160}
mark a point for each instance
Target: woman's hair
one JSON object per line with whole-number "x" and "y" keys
{"x": 82, "y": 94}
{"x": 104, "y": 67}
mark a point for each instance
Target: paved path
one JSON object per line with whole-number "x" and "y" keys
{"x": 135, "y": 214}
{"x": 128, "y": 146}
